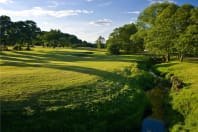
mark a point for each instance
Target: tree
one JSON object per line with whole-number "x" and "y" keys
{"x": 25, "y": 32}
{"x": 51, "y": 38}
{"x": 188, "y": 41}
{"x": 148, "y": 17}
{"x": 5, "y": 31}
{"x": 161, "y": 36}
{"x": 31, "y": 31}
{"x": 184, "y": 20}
{"x": 120, "y": 38}
{"x": 100, "y": 42}
{"x": 125, "y": 32}
{"x": 137, "y": 41}
{"x": 113, "y": 42}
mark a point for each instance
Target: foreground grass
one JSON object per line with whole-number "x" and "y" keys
{"x": 184, "y": 101}
{"x": 70, "y": 90}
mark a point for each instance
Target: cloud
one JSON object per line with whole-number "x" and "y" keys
{"x": 133, "y": 12}
{"x": 38, "y": 11}
{"x": 103, "y": 22}
{"x": 6, "y": 1}
{"x": 161, "y": 1}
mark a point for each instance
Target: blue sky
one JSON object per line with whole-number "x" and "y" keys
{"x": 87, "y": 19}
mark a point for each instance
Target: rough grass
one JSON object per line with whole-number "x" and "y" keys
{"x": 69, "y": 90}
{"x": 184, "y": 101}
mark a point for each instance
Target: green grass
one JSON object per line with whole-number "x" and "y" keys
{"x": 70, "y": 90}
{"x": 184, "y": 101}
{"x": 46, "y": 69}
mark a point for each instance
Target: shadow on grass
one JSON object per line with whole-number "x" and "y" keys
{"x": 64, "y": 56}
{"x": 96, "y": 107}
{"x": 27, "y": 59}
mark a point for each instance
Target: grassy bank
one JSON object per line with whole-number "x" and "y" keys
{"x": 71, "y": 90}
{"x": 185, "y": 100}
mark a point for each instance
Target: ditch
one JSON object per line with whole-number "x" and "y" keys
{"x": 160, "y": 116}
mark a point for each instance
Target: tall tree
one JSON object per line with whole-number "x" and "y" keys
{"x": 137, "y": 41}
{"x": 184, "y": 29}
{"x": 51, "y": 38}
{"x": 5, "y": 31}
{"x": 100, "y": 42}
{"x": 114, "y": 43}
{"x": 187, "y": 43}
{"x": 161, "y": 36}
{"x": 120, "y": 38}
{"x": 31, "y": 31}
{"x": 148, "y": 17}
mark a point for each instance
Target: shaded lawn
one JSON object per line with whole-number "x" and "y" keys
{"x": 47, "y": 90}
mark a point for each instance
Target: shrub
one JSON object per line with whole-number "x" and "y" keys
{"x": 113, "y": 49}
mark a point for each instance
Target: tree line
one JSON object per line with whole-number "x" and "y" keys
{"x": 162, "y": 28}
{"x": 26, "y": 34}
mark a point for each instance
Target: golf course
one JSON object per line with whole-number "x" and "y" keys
{"x": 98, "y": 66}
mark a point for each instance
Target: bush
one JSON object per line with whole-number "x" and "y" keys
{"x": 113, "y": 49}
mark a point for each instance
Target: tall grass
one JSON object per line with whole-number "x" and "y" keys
{"x": 184, "y": 101}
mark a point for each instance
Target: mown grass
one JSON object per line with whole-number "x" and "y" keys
{"x": 70, "y": 90}
{"x": 46, "y": 69}
{"x": 184, "y": 101}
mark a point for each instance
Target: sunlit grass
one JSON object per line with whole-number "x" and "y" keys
{"x": 187, "y": 71}
{"x": 23, "y": 73}
{"x": 69, "y": 89}
{"x": 185, "y": 101}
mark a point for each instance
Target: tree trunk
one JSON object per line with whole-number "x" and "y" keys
{"x": 181, "y": 57}
{"x": 28, "y": 46}
{"x": 168, "y": 57}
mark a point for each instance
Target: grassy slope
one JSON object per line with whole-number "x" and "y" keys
{"x": 46, "y": 69}
{"x": 66, "y": 89}
{"x": 184, "y": 101}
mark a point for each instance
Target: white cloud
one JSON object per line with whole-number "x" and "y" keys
{"x": 38, "y": 11}
{"x": 6, "y": 1}
{"x": 103, "y": 22}
{"x": 133, "y": 12}
{"x": 161, "y": 1}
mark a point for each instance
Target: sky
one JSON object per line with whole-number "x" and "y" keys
{"x": 87, "y": 19}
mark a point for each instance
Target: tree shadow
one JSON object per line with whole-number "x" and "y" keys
{"x": 64, "y": 56}
{"x": 95, "y": 107}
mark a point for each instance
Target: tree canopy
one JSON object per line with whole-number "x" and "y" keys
{"x": 120, "y": 38}
{"x": 27, "y": 33}
{"x": 162, "y": 28}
